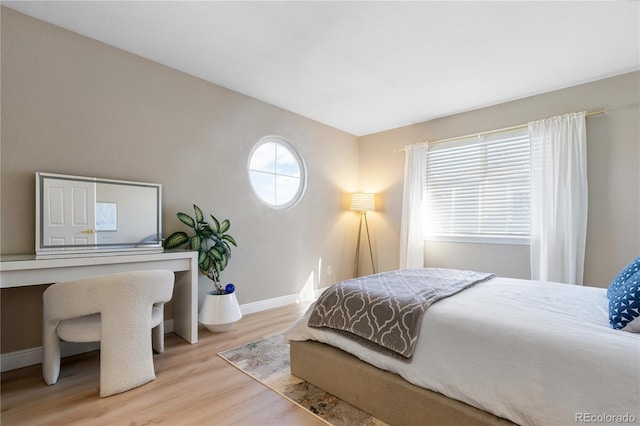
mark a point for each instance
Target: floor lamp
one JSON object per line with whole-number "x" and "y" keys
{"x": 363, "y": 202}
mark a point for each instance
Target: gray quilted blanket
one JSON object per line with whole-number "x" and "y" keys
{"x": 387, "y": 308}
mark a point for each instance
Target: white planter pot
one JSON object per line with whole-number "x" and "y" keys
{"x": 219, "y": 312}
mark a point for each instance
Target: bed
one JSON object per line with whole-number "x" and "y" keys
{"x": 499, "y": 352}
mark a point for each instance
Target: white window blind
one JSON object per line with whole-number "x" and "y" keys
{"x": 478, "y": 189}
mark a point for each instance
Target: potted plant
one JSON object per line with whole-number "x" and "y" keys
{"x": 220, "y": 309}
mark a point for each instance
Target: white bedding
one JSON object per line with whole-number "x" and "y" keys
{"x": 533, "y": 352}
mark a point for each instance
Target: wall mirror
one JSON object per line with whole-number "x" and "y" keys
{"x": 85, "y": 215}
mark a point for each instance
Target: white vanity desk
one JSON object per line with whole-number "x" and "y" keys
{"x": 26, "y": 270}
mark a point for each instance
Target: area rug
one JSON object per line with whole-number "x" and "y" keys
{"x": 267, "y": 361}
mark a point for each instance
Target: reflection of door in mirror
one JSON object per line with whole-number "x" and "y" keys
{"x": 79, "y": 215}
{"x": 69, "y": 212}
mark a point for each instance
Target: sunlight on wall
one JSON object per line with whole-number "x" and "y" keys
{"x": 314, "y": 286}
{"x": 307, "y": 293}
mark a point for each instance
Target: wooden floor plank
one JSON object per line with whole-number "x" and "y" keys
{"x": 193, "y": 387}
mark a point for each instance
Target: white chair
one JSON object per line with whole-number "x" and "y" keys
{"x": 117, "y": 310}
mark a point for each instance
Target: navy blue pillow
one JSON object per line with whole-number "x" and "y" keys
{"x": 624, "y": 305}
{"x": 630, "y": 269}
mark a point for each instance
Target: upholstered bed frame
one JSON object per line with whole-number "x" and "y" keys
{"x": 380, "y": 393}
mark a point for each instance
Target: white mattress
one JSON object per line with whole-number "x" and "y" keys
{"x": 532, "y": 352}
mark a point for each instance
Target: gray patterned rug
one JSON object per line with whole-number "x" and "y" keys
{"x": 267, "y": 361}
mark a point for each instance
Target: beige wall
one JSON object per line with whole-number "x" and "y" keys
{"x": 72, "y": 105}
{"x": 613, "y": 235}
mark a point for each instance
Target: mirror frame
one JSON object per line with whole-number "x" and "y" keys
{"x": 97, "y": 248}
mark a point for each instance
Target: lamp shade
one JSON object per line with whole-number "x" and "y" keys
{"x": 363, "y": 202}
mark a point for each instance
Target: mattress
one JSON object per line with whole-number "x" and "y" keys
{"x": 533, "y": 352}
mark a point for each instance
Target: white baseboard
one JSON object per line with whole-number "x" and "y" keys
{"x": 263, "y": 305}
{"x": 32, "y": 356}
{"x": 276, "y": 302}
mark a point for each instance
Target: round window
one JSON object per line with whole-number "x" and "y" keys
{"x": 277, "y": 172}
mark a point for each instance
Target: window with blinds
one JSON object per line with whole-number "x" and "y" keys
{"x": 477, "y": 190}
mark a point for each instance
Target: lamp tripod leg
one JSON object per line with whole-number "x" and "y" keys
{"x": 357, "y": 257}
{"x": 373, "y": 266}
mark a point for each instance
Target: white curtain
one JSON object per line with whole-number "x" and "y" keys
{"x": 413, "y": 207}
{"x": 558, "y": 198}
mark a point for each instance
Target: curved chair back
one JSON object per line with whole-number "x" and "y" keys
{"x": 124, "y": 302}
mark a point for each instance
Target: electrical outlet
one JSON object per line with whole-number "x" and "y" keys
{"x": 329, "y": 270}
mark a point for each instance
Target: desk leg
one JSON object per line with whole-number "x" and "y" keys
{"x": 185, "y": 304}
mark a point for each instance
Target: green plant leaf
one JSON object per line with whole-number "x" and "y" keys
{"x": 199, "y": 216}
{"x": 216, "y": 224}
{"x": 176, "y": 240}
{"x": 215, "y": 234}
{"x": 207, "y": 232}
{"x": 222, "y": 254}
{"x": 186, "y": 219}
{"x": 201, "y": 260}
{"x": 215, "y": 254}
{"x": 230, "y": 239}
{"x": 195, "y": 242}
{"x": 205, "y": 266}
{"x": 224, "y": 226}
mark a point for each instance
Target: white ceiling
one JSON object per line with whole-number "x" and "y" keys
{"x": 364, "y": 67}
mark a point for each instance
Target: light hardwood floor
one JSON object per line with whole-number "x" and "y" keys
{"x": 194, "y": 386}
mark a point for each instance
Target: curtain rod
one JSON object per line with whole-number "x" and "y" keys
{"x": 491, "y": 132}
